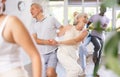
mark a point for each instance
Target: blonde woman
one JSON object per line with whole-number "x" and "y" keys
{"x": 72, "y": 36}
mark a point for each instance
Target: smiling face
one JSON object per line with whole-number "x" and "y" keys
{"x": 82, "y": 18}
{"x": 35, "y": 10}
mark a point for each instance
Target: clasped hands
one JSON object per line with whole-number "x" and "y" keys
{"x": 53, "y": 42}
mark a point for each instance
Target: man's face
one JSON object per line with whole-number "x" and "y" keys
{"x": 34, "y": 11}
{"x": 102, "y": 10}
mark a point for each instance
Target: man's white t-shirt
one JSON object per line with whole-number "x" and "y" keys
{"x": 46, "y": 29}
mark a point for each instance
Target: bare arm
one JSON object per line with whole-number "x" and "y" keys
{"x": 104, "y": 26}
{"x": 20, "y": 36}
{"x": 44, "y": 42}
{"x": 40, "y": 41}
{"x": 76, "y": 39}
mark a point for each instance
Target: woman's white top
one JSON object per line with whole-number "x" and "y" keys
{"x": 9, "y": 53}
{"x": 69, "y": 50}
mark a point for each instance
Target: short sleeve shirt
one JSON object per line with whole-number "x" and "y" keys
{"x": 46, "y": 29}
{"x": 103, "y": 20}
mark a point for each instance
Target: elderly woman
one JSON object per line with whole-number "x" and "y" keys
{"x": 72, "y": 36}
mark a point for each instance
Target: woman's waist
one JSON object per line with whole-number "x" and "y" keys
{"x": 74, "y": 47}
{"x": 67, "y": 49}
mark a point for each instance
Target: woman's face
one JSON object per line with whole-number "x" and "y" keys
{"x": 83, "y": 19}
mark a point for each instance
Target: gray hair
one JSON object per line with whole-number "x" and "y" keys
{"x": 37, "y": 6}
{"x": 78, "y": 16}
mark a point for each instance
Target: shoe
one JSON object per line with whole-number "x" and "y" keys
{"x": 97, "y": 75}
{"x": 82, "y": 75}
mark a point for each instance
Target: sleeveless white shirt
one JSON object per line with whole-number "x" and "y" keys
{"x": 69, "y": 50}
{"x": 9, "y": 53}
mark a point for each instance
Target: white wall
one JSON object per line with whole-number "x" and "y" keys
{"x": 12, "y": 9}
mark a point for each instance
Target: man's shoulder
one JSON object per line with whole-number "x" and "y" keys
{"x": 95, "y": 15}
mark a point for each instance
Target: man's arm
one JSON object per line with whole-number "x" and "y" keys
{"x": 60, "y": 31}
{"x": 42, "y": 41}
{"x": 63, "y": 29}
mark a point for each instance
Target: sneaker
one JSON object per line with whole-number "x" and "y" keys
{"x": 82, "y": 74}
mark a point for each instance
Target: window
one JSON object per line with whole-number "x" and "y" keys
{"x": 117, "y": 18}
{"x": 71, "y": 10}
{"x": 63, "y": 10}
{"x": 109, "y": 15}
{"x": 56, "y": 0}
{"x": 57, "y": 12}
{"x": 90, "y": 11}
{"x": 74, "y": 2}
{"x": 90, "y": 0}
{"x": 56, "y": 8}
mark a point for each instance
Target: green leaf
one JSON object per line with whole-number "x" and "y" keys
{"x": 111, "y": 53}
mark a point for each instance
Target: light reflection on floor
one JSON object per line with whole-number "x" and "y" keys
{"x": 103, "y": 72}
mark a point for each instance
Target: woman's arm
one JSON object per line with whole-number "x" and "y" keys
{"x": 75, "y": 40}
{"x": 61, "y": 31}
{"x": 44, "y": 42}
{"x": 21, "y": 36}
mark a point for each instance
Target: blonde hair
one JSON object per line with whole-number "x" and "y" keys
{"x": 78, "y": 16}
{"x": 75, "y": 13}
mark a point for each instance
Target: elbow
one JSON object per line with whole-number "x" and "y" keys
{"x": 35, "y": 56}
{"x": 76, "y": 41}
